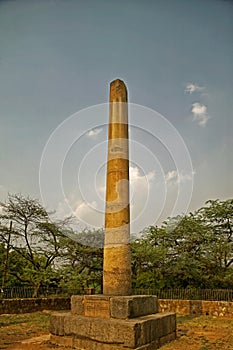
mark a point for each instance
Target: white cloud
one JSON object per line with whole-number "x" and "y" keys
{"x": 200, "y": 113}
{"x": 94, "y": 132}
{"x": 199, "y": 109}
{"x": 190, "y": 88}
{"x": 175, "y": 178}
{"x": 89, "y": 213}
{"x": 141, "y": 188}
{"x": 63, "y": 209}
{"x": 84, "y": 209}
{"x": 137, "y": 178}
{"x": 185, "y": 177}
{"x": 171, "y": 175}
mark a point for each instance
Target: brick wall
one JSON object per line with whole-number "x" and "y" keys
{"x": 196, "y": 307}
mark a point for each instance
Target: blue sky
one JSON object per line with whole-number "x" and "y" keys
{"x": 58, "y": 57}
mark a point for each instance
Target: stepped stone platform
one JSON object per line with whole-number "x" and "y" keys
{"x": 100, "y": 322}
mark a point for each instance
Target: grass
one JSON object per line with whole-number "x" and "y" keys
{"x": 194, "y": 332}
{"x": 23, "y": 325}
{"x": 38, "y": 319}
{"x": 202, "y": 333}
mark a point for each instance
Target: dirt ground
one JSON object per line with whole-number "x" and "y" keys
{"x": 30, "y": 332}
{"x": 202, "y": 333}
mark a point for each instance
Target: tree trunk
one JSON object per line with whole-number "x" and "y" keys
{"x": 36, "y": 288}
{"x": 7, "y": 257}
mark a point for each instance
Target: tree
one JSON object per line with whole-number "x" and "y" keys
{"x": 34, "y": 238}
{"x": 148, "y": 257}
{"x": 180, "y": 239}
{"x": 5, "y": 256}
{"x": 218, "y": 218}
{"x": 189, "y": 251}
{"x": 82, "y": 260}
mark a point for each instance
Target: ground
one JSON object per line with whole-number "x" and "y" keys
{"x": 202, "y": 333}
{"x": 30, "y": 332}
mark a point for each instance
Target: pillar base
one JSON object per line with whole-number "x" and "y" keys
{"x": 99, "y": 322}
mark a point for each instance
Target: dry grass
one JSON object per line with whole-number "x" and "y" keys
{"x": 16, "y": 328}
{"x": 202, "y": 333}
{"x": 195, "y": 333}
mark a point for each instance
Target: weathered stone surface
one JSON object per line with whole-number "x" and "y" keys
{"x": 131, "y": 333}
{"x": 57, "y": 323}
{"x": 197, "y": 307}
{"x": 101, "y": 330}
{"x": 87, "y": 344}
{"x": 77, "y": 304}
{"x": 18, "y": 306}
{"x": 62, "y": 340}
{"x": 91, "y": 305}
{"x": 133, "y": 306}
{"x": 97, "y": 307}
{"x": 117, "y": 259}
{"x": 167, "y": 338}
{"x": 117, "y": 274}
{"x": 122, "y": 307}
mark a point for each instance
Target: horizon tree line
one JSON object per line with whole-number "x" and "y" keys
{"x": 194, "y": 250}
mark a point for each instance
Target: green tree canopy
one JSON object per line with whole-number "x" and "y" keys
{"x": 193, "y": 250}
{"x": 33, "y": 238}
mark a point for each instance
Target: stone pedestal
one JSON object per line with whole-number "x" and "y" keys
{"x": 99, "y": 322}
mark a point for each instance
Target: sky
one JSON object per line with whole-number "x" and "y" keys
{"x": 57, "y": 59}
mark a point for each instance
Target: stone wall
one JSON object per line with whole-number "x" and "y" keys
{"x": 181, "y": 307}
{"x": 20, "y": 306}
{"x": 196, "y": 307}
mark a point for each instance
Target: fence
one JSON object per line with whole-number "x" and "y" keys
{"x": 43, "y": 292}
{"x": 189, "y": 294}
{"x": 182, "y": 294}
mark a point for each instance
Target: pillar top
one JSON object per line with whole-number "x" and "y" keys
{"x": 118, "y": 91}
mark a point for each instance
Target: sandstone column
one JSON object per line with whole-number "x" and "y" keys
{"x": 117, "y": 262}
{"x": 115, "y": 319}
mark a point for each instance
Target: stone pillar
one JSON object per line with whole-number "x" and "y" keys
{"x": 115, "y": 320}
{"x": 117, "y": 261}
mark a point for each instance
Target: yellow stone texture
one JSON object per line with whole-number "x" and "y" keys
{"x": 117, "y": 270}
{"x": 117, "y": 259}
